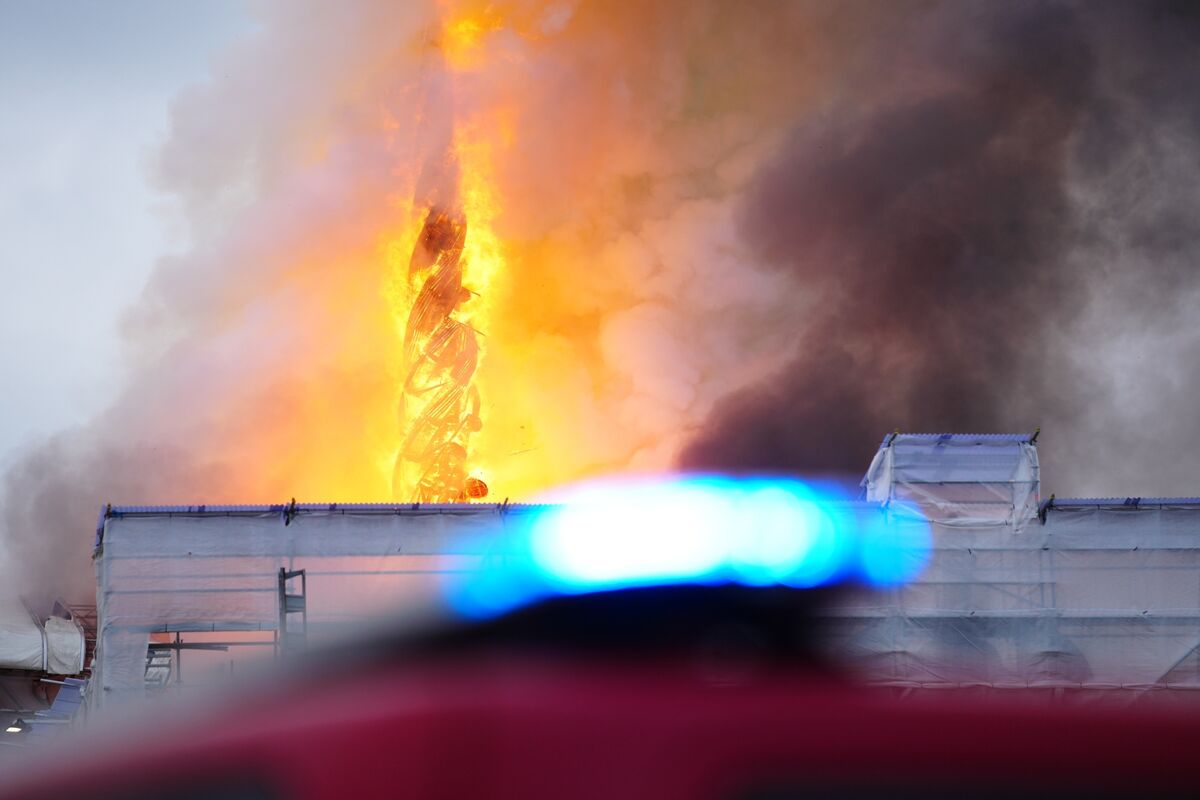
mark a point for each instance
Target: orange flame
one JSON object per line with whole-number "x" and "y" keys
{"x": 462, "y": 35}
{"x": 445, "y": 310}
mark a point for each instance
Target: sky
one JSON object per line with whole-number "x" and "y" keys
{"x": 86, "y": 92}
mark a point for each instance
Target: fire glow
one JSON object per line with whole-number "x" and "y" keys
{"x": 443, "y": 309}
{"x": 565, "y": 334}
{"x": 591, "y": 314}
{"x": 602, "y": 284}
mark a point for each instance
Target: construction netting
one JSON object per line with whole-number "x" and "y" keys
{"x": 216, "y": 569}
{"x": 962, "y": 479}
{"x": 1096, "y": 596}
{"x": 1075, "y": 594}
{"x": 1016, "y": 593}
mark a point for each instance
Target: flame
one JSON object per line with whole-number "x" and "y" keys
{"x": 583, "y": 363}
{"x": 587, "y": 359}
{"x": 464, "y": 32}
{"x": 444, "y": 310}
{"x": 596, "y": 153}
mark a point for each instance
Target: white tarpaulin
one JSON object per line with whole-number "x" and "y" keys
{"x": 1074, "y": 594}
{"x": 1097, "y": 596}
{"x": 167, "y": 570}
{"x": 958, "y": 479}
{"x": 64, "y": 646}
{"x": 21, "y": 642}
{"x": 1086, "y": 594}
{"x": 56, "y": 647}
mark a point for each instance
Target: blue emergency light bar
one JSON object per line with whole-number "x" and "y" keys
{"x": 694, "y": 531}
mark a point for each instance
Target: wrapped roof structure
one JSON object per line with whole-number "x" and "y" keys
{"x": 191, "y": 569}
{"x": 1062, "y": 594}
{"x": 54, "y": 645}
{"x": 959, "y": 479}
{"x": 1066, "y": 594}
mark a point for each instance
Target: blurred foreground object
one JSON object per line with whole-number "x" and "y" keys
{"x": 546, "y": 702}
{"x": 697, "y": 530}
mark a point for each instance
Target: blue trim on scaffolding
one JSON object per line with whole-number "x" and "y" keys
{"x": 964, "y": 438}
{"x": 1124, "y": 502}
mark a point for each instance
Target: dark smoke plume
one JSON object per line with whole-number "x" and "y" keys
{"x": 961, "y": 217}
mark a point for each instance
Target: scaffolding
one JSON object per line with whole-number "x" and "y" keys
{"x": 1017, "y": 593}
{"x": 959, "y": 480}
{"x": 1080, "y": 594}
{"x": 210, "y": 582}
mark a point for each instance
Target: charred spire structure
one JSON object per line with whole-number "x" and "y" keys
{"x": 439, "y": 405}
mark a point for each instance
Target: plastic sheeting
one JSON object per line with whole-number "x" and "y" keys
{"x": 56, "y": 647}
{"x": 1094, "y": 598}
{"x": 1084, "y": 595}
{"x": 64, "y": 646}
{"x": 21, "y": 642}
{"x": 958, "y": 479}
{"x": 1081, "y": 594}
{"x": 46, "y": 725}
{"x": 216, "y": 569}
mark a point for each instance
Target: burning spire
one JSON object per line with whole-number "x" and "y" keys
{"x": 439, "y": 404}
{"x": 453, "y": 259}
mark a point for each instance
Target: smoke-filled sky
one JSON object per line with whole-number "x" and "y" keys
{"x": 751, "y": 236}
{"x": 85, "y": 97}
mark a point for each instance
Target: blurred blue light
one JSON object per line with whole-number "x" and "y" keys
{"x": 893, "y": 548}
{"x": 694, "y": 530}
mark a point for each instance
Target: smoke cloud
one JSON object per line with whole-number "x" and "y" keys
{"x": 1000, "y": 224}
{"x": 740, "y": 236}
